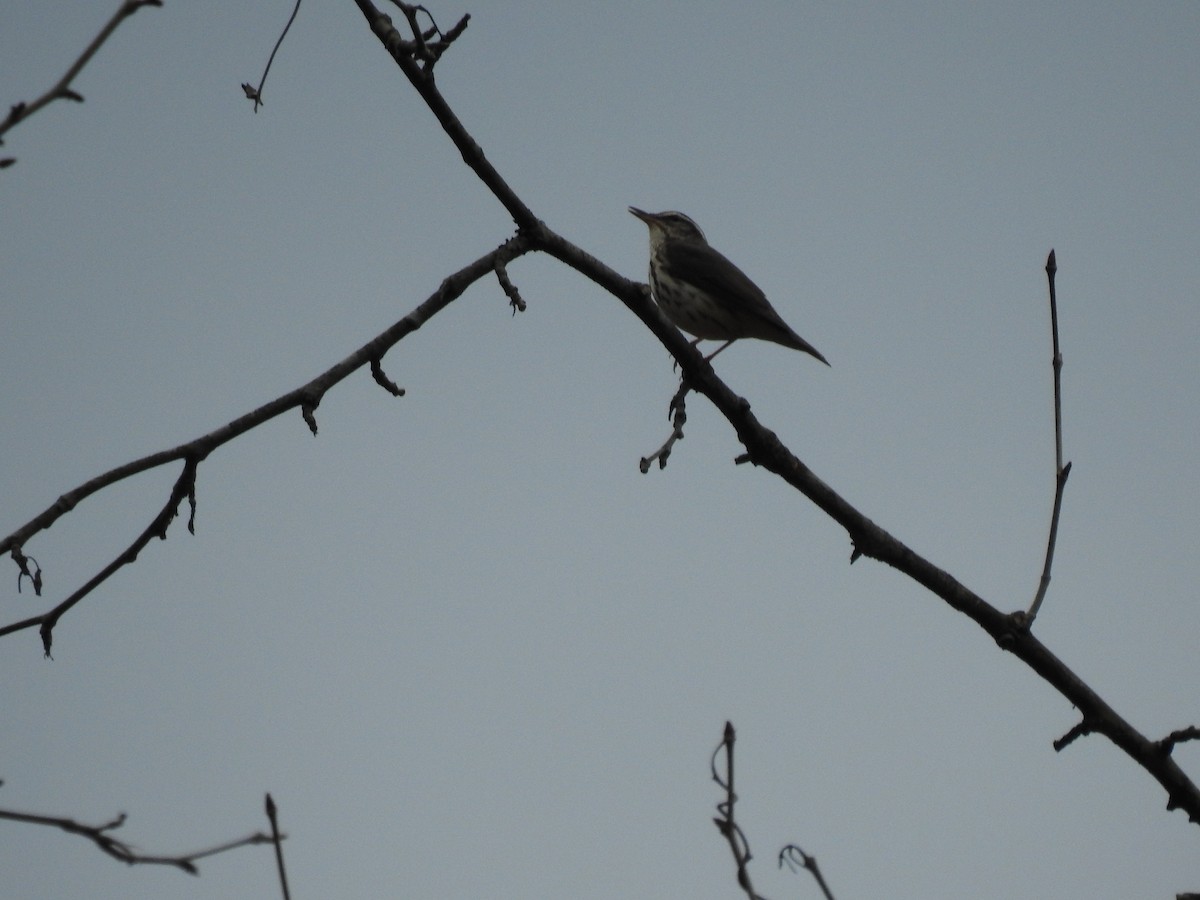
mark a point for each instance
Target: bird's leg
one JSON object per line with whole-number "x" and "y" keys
{"x": 710, "y": 356}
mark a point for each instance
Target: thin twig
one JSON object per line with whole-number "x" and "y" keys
{"x": 1167, "y": 744}
{"x": 515, "y": 300}
{"x": 797, "y": 859}
{"x": 100, "y": 835}
{"x": 62, "y": 90}
{"x": 255, "y": 93}
{"x": 1060, "y": 471}
{"x": 277, "y": 840}
{"x": 725, "y": 821}
{"x": 677, "y": 410}
{"x": 185, "y": 486}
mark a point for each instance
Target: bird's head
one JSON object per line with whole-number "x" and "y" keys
{"x": 669, "y": 225}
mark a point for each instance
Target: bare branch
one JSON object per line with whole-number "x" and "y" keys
{"x": 255, "y": 93}
{"x": 407, "y": 55}
{"x": 1167, "y": 744}
{"x": 305, "y": 397}
{"x": 1082, "y": 729}
{"x": 34, "y": 576}
{"x": 1060, "y": 471}
{"x": 797, "y": 859}
{"x": 383, "y": 381}
{"x": 515, "y": 300}
{"x": 725, "y": 822}
{"x": 101, "y": 836}
{"x": 62, "y": 89}
{"x": 677, "y": 412}
{"x": 764, "y": 449}
{"x": 277, "y": 840}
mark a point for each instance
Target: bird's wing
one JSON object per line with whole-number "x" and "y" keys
{"x": 707, "y": 269}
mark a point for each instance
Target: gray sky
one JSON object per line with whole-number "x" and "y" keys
{"x": 470, "y": 649}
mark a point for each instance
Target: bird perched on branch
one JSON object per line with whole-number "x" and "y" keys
{"x": 705, "y": 294}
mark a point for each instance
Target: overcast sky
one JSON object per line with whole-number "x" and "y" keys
{"x": 470, "y": 650}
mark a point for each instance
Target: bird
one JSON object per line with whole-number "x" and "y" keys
{"x": 705, "y": 294}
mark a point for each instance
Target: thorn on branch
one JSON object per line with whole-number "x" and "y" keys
{"x": 383, "y": 381}
{"x": 16, "y": 112}
{"x": 1082, "y": 729}
{"x": 192, "y": 505}
{"x": 514, "y": 296}
{"x": 308, "y": 409}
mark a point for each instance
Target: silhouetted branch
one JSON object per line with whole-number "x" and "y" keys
{"x": 383, "y": 381}
{"x": 1167, "y": 744}
{"x": 277, "y": 840}
{"x": 193, "y": 452}
{"x": 62, "y": 90}
{"x": 101, "y": 836}
{"x": 1060, "y": 471}
{"x": 429, "y": 53}
{"x": 34, "y": 575}
{"x": 797, "y": 859}
{"x": 725, "y": 821}
{"x": 515, "y": 300}
{"x": 677, "y": 412}
{"x": 255, "y": 93}
{"x": 764, "y": 449}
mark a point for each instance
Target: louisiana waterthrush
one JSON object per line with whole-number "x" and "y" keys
{"x": 705, "y": 294}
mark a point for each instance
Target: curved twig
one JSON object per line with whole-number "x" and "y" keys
{"x": 255, "y": 93}
{"x": 796, "y": 859}
{"x": 725, "y": 821}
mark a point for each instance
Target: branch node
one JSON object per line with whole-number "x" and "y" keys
{"x": 514, "y": 296}
{"x": 1061, "y": 470}
{"x": 308, "y": 409}
{"x": 382, "y": 380}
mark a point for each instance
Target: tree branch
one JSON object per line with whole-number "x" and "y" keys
{"x": 1060, "y": 471}
{"x": 62, "y": 90}
{"x": 101, "y": 836}
{"x": 306, "y": 397}
{"x": 764, "y": 449}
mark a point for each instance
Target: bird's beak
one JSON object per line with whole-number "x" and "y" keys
{"x": 646, "y": 217}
